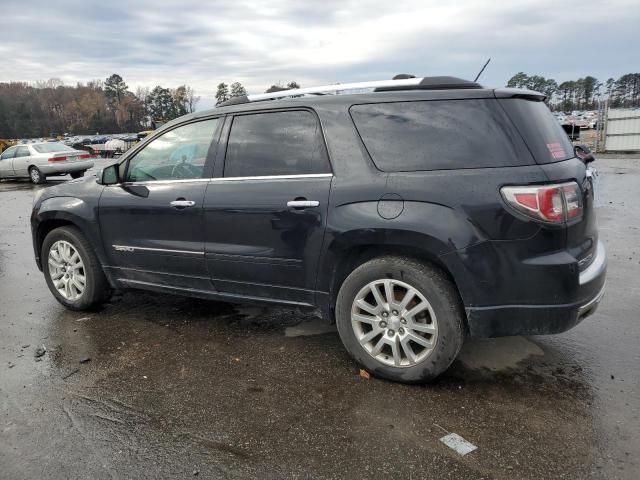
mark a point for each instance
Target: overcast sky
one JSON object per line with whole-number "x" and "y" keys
{"x": 202, "y": 43}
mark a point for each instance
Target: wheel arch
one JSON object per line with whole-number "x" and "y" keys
{"x": 59, "y": 212}
{"x": 343, "y": 256}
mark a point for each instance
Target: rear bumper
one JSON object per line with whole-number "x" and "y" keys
{"x": 506, "y": 320}
{"x": 66, "y": 167}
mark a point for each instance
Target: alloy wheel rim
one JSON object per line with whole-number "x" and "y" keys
{"x": 66, "y": 270}
{"x": 35, "y": 176}
{"x": 394, "y": 323}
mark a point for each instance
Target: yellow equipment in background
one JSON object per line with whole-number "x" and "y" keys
{"x": 4, "y": 144}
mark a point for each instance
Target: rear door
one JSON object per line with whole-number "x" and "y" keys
{"x": 265, "y": 212}
{"x": 21, "y": 161}
{"x": 152, "y": 223}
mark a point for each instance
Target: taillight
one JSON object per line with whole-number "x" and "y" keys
{"x": 84, "y": 157}
{"x": 57, "y": 159}
{"x": 549, "y": 203}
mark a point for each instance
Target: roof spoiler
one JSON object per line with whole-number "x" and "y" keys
{"x": 519, "y": 93}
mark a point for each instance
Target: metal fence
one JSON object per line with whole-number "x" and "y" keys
{"x": 621, "y": 130}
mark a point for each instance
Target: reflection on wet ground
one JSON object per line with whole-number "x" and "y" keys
{"x": 156, "y": 386}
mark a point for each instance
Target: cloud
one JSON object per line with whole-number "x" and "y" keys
{"x": 202, "y": 43}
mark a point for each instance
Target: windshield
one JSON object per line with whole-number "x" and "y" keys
{"x": 52, "y": 148}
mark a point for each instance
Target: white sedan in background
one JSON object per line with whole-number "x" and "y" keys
{"x": 37, "y": 161}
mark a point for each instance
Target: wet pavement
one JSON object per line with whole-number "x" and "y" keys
{"x": 155, "y": 386}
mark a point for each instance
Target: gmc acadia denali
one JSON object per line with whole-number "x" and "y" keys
{"x": 414, "y": 214}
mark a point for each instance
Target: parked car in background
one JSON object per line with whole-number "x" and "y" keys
{"x": 37, "y": 161}
{"x": 426, "y": 211}
{"x": 114, "y": 147}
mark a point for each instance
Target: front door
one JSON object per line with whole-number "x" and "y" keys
{"x": 265, "y": 212}
{"x": 6, "y": 162}
{"x": 152, "y": 224}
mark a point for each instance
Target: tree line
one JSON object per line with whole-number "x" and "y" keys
{"x": 583, "y": 93}
{"x": 50, "y": 108}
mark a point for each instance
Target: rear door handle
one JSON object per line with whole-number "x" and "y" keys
{"x": 302, "y": 203}
{"x": 182, "y": 203}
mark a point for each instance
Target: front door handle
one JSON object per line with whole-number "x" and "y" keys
{"x": 182, "y": 203}
{"x": 302, "y": 203}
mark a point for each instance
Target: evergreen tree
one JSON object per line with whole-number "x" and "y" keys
{"x": 237, "y": 90}
{"x": 222, "y": 94}
{"x": 115, "y": 88}
{"x": 160, "y": 104}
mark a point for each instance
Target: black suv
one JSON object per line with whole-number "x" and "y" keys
{"x": 413, "y": 214}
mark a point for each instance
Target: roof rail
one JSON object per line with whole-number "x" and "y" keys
{"x": 421, "y": 83}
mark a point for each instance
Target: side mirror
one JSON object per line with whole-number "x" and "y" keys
{"x": 109, "y": 175}
{"x": 584, "y": 153}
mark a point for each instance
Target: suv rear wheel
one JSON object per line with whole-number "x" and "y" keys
{"x": 72, "y": 270}
{"x": 400, "y": 319}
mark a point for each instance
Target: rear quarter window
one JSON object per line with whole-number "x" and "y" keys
{"x": 439, "y": 135}
{"x": 541, "y": 131}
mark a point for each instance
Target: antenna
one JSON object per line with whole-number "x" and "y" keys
{"x": 482, "y": 70}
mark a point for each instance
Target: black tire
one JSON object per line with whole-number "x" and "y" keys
{"x": 77, "y": 174}
{"x": 438, "y": 290}
{"x": 36, "y": 176}
{"x": 97, "y": 289}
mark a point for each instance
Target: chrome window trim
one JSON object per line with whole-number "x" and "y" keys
{"x": 222, "y": 179}
{"x": 128, "y": 248}
{"x": 273, "y": 177}
{"x": 161, "y": 182}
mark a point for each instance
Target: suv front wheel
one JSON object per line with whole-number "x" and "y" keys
{"x": 72, "y": 270}
{"x": 400, "y": 319}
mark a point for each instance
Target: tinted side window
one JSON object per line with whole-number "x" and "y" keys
{"x": 8, "y": 153}
{"x": 22, "y": 152}
{"x": 178, "y": 154}
{"x": 439, "y": 135}
{"x": 276, "y": 143}
{"x": 541, "y": 131}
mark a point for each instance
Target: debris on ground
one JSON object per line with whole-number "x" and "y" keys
{"x": 11, "y": 365}
{"x": 85, "y": 359}
{"x": 83, "y": 319}
{"x": 72, "y": 372}
{"x": 364, "y": 374}
{"x": 457, "y": 443}
{"x": 40, "y": 351}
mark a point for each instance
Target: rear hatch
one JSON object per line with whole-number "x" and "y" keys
{"x": 553, "y": 151}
